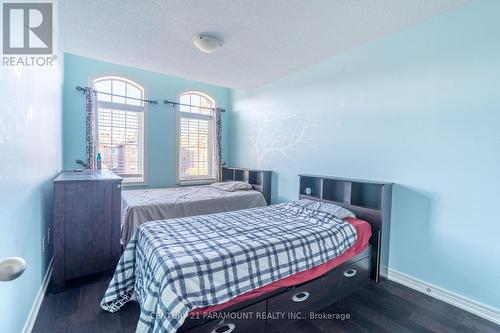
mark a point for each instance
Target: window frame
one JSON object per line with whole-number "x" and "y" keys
{"x": 127, "y": 107}
{"x": 178, "y": 115}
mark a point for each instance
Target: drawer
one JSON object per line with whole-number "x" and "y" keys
{"x": 352, "y": 272}
{"x": 317, "y": 294}
{"x": 248, "y": 319}
{"x": 300, "y": 298}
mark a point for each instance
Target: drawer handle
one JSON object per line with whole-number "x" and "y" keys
{"x": 300, "y": 296}
{"x": 350, "y": 273}
{"x": 226, "y": 328}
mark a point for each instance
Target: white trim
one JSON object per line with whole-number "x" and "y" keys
{"x": 482, "y": 310}
{"x": 30, "y": 321}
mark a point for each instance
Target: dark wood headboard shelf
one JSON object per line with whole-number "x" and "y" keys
{"x": 369, "y": 200}
{"x": 259, "y": 179}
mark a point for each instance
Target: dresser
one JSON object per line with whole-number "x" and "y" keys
{"x": 86, "y": 224}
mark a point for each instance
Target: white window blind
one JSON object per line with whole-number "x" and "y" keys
{"x": 196, "y": 137}
{"x": 120, "y": 127}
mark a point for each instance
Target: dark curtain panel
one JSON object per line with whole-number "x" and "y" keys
{"x": 91, "y": 131}
{"x": 218, "y": 143}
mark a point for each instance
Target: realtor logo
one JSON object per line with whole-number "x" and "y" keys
{"x": 27, "y": 28}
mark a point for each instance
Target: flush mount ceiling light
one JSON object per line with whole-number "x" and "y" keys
{"x": 206, "y": 43}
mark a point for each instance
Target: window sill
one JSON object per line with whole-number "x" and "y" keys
{"x": 127, "y": 185}
{"x": 195, "y": 182}
{"x": 133, "y": 182}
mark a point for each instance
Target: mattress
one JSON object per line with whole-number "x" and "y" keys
{"x": 363, "y": 231}
{"x": 139, "y": 206}
{"x": 178, "y": 265}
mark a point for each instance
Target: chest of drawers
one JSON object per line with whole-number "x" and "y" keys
{"x": 86, "y": 224}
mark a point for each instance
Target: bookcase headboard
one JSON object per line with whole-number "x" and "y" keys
{"x": 259, "y": 179}
{"x": 369, "y": 200}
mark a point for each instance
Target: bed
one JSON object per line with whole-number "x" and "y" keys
{"x": 188, "y": 273}
{"x": 143, "y": 205}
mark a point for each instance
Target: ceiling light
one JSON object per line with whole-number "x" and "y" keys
{"x": 206, "y": 43}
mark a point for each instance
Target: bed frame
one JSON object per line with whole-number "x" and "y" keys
{"x": 259, "y": 179}
{"x": 370, "y": 201}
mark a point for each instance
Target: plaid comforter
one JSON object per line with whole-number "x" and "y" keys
{"x": 174, "y": 266}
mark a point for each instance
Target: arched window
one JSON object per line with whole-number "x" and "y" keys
{"x": 120, "y": 126}
{"x": 195, "y": 142}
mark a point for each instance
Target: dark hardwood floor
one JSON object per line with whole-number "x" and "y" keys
{"x": 384, "y": 307}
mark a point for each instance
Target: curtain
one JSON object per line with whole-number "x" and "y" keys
{"x": 218, "y": 143}
{"x": 91, "y": 131}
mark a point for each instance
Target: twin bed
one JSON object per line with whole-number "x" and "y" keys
{"x": 227, "y": 272}
{"x": 140, "y": 206}
{"x": 144, "y": 205}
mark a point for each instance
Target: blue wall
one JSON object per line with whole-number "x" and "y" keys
{"x": 161, "y": 122}
{"x": 420, "y": 108}
{"x": 30, "y": 147}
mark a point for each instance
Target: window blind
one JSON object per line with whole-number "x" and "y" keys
{"x": 120, "y": 141}
{"x": 195, "y": 148}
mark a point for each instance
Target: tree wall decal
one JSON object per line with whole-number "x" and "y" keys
{"x": 274, "y": 134}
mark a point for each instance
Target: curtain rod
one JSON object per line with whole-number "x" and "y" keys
{"x": 109, "y": 94}
{"x": 193, "y": 106}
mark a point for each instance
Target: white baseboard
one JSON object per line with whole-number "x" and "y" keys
{"x": 30, "y": 321}
{"x": 482, "y": 310}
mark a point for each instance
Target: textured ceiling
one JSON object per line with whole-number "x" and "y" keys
{"x": 263, "y": 39}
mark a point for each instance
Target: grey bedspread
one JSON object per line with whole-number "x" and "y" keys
{"x": 139, "y": 206}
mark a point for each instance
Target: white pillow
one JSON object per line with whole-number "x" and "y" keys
{"x": 326, "y": 207}
{"x": 232, "y": 186}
